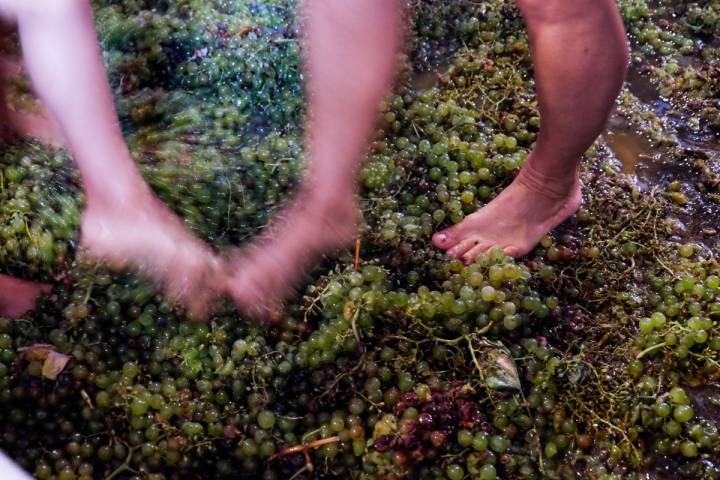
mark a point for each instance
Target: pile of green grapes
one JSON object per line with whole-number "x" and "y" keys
{"x": 231, "y": 66}
{"x": 39, "y": 210}
{"x": 594, "y": 357}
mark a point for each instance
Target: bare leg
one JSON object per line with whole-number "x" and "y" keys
{"x": 580, "y": 54}
{"x": 124, "y": 223}
{"x": 351, "y": 61}
{"x": 18, "y": 297}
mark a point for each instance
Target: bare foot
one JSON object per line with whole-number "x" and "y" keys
{"x": 142, "y": 233}
{"x": 17, "y": 297}
{"x": 313, "y": 225}
{"x": 516, "y": 220}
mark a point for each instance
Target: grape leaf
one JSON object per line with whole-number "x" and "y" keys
{"x": 54, "y": 365}
{"x": 53, "y": 362}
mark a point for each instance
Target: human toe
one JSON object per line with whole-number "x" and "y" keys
{"x": 462, "y": 247}
{"x": 470, "y": 256}
{"x": 514, "y": 251}
{"x": 446, "y": 239}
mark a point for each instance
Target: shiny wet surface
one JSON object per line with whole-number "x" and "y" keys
{"x": 657, "y": 167}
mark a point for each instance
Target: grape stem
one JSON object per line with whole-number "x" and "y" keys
{"x": 87, "y": 399}
{"x": 304, "y": 448}
{"x": 124, "y": 467}
{"x": 299, "y": 472}
{"x": 649, "y": 350}
{"x": 353, "y": 322}
{"x": 357, "y": 255}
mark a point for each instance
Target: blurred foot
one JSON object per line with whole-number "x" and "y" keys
{"x": 313, "y": 225}
{"x": 17, "y": 297}
{"x": 517, "y": 219}
{"x": 138, "y": 231}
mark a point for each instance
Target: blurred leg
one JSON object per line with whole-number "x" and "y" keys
{"x": 124, "y": 224}
{"x": 36, "y": 124}
{"x": 18, "y": 297}
{"x": 580, "y": 54}
{"x": 63, "y": 58}
{"x": 351, "y": 60}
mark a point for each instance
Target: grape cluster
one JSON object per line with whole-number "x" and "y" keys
{"x": 702, "y": 17}
{"x": 225, "y": 194}
{"x": 685, "y": 37}
{"x": 655, "y": 34}
{"x": 39, "y": 210}
{"x": 233, "y": 64}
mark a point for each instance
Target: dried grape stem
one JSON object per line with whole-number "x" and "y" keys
{"x": 357, "y": 255}
{"x": 304, "y": 447}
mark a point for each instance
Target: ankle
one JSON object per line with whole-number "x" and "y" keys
{"x": 118, "y": 196}
{"x": 554, "y": 184}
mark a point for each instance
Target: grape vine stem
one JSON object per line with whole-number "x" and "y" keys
{"x": 124, "y": 467}
{"x": 304, "y": 449}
